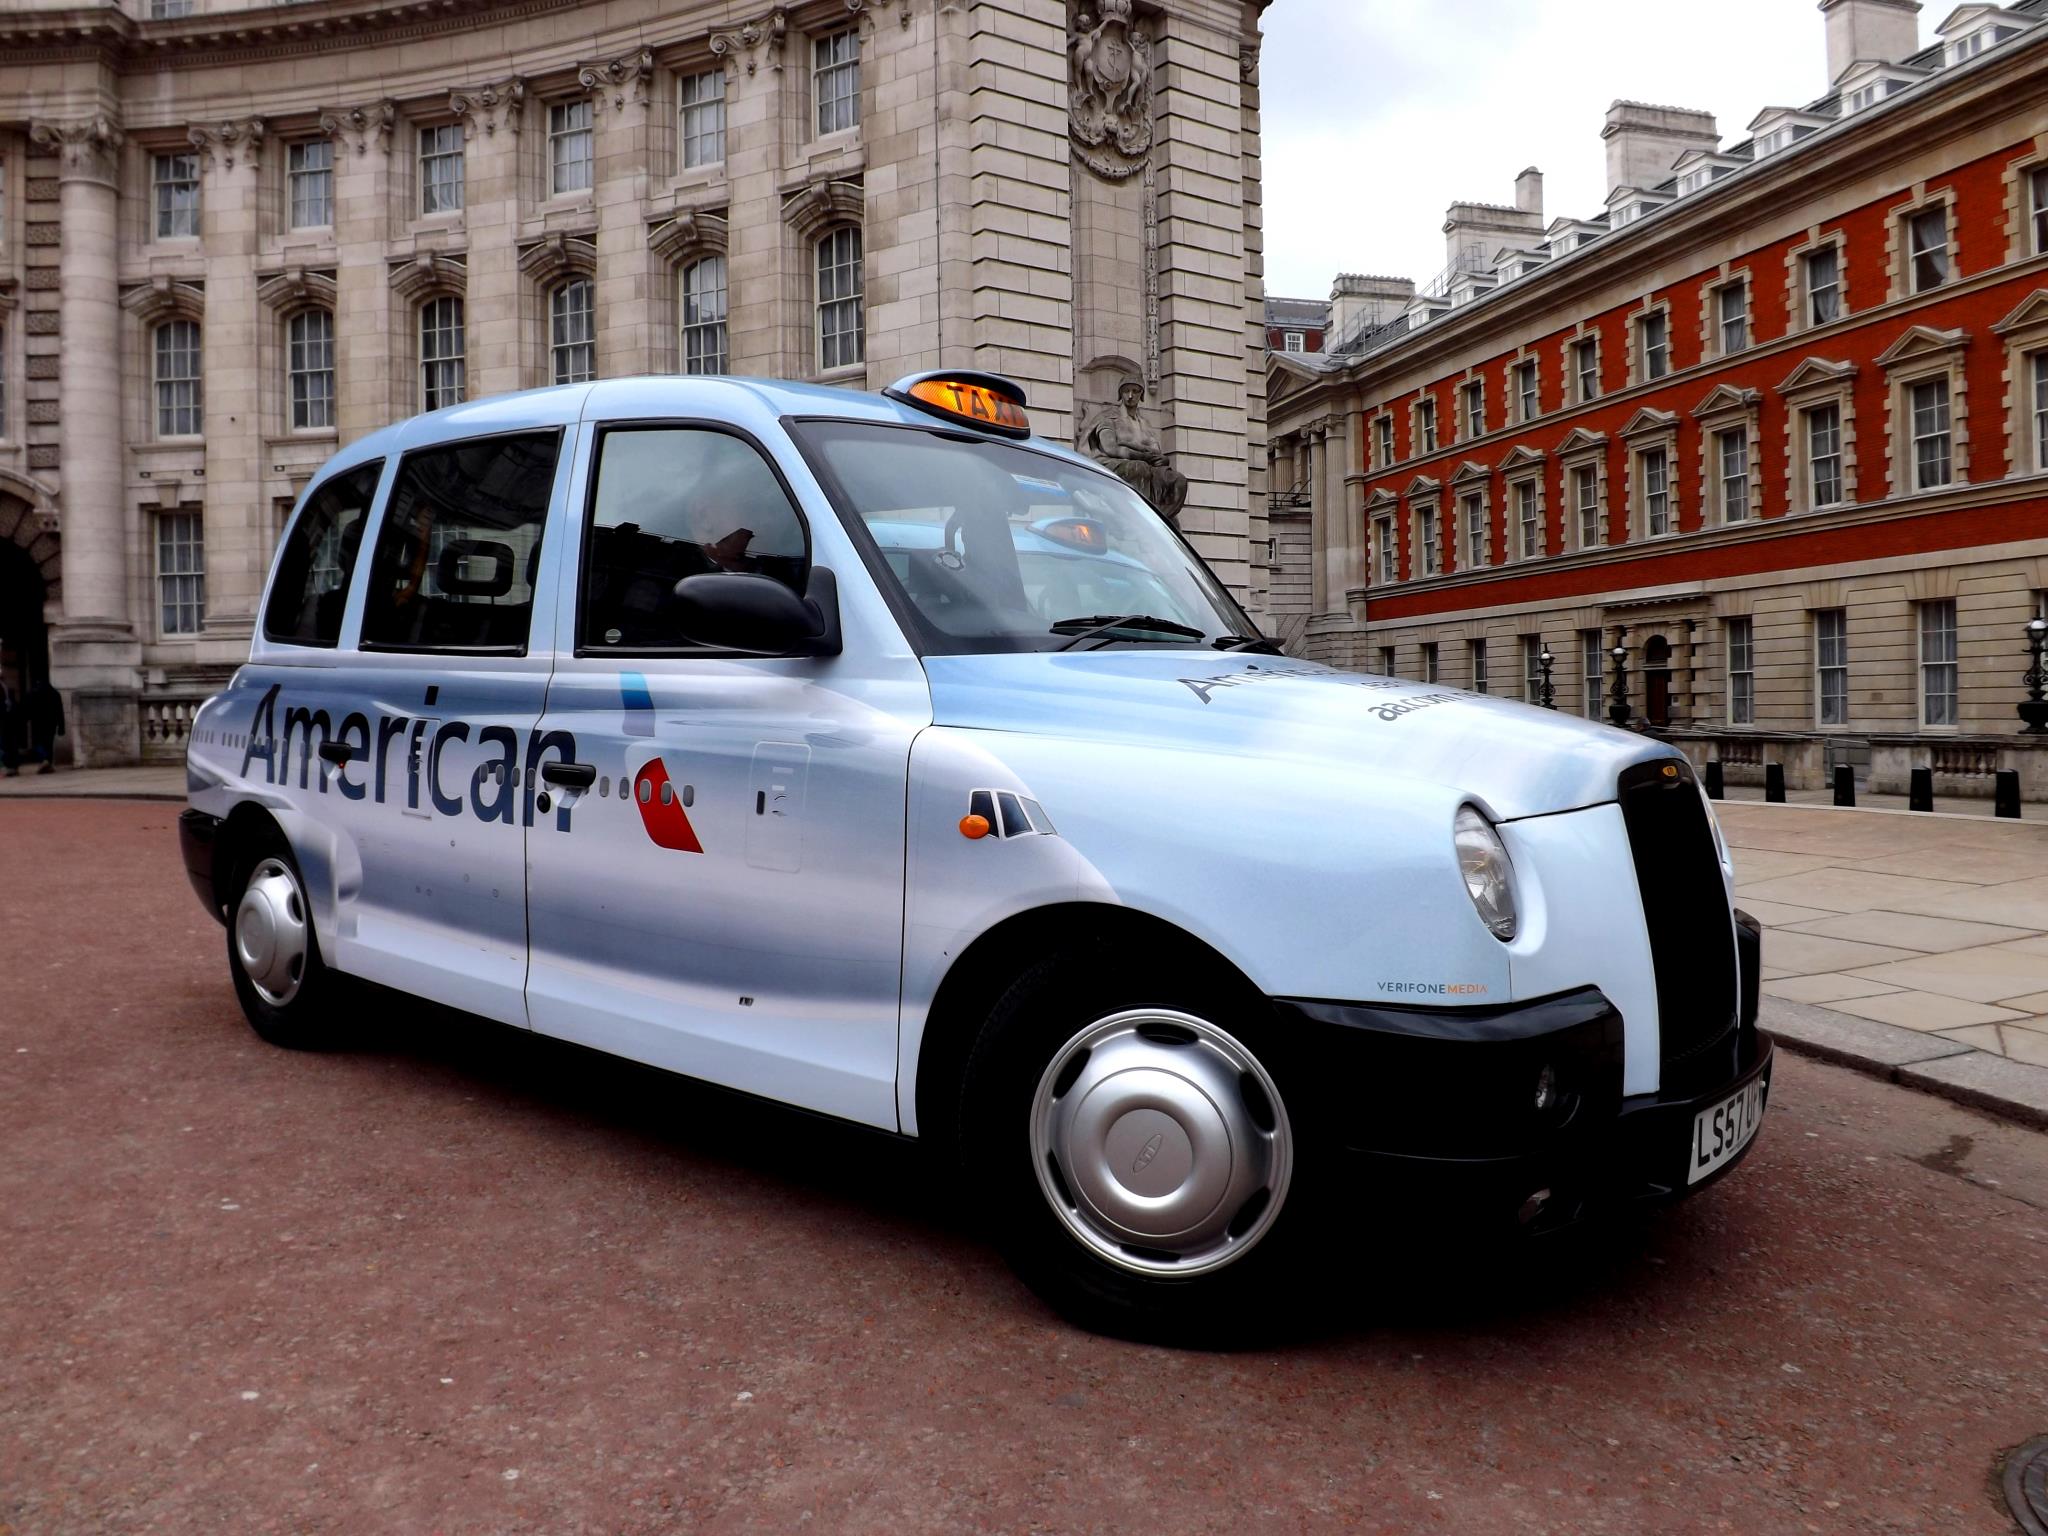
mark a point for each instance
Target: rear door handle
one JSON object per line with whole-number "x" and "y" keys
{"x": 338, "y": 753}
{"x": 570, "y": 775}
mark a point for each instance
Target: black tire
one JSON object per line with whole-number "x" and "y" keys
{"x": 1268, "y": 1291}
{"x": 299, "y": 1011}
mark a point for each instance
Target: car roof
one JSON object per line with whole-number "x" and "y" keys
{"x": 649, "y": 396}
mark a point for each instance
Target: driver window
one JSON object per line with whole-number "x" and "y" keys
{"x": 459, "y": 546}
{"x": 672, "y": 502}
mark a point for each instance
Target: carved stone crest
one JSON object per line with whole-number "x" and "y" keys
{"x": 752, "y": 40}
{"x": 238, "y": 138}
{"x": 620, "y": 81}
{"x": 88, "y": 148}
{"x": 487, "y": 106}
{"x": 359, "y": 127}
{"x": 1109, "y": 94}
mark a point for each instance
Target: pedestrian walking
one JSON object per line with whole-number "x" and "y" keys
{"x": 44, "y": 707}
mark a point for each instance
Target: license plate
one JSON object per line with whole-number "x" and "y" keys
{"x": 1724, "y": 1130}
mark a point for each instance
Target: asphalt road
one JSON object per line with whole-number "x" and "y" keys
{"x": 463, "y": 1280}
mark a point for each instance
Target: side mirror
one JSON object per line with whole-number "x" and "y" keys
{"x": 758, "y": 615}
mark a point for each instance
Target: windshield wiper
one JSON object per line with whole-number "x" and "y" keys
{"x": 1248, "y": 643}
{"x": 1096, "y": 624}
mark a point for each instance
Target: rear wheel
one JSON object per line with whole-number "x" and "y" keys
{"x": 273, "y": 955}
{"x": 1131, "y": 1136}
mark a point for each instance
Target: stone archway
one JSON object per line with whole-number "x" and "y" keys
{"x": 30, "y": 579}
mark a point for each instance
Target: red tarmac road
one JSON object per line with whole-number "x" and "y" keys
{"x": 464, "y": 1280}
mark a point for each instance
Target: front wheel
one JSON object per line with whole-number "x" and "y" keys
{"x": 273, "y": 956}
{"x": 1132, "y": 1139}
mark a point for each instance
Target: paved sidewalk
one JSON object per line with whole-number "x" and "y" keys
{"x": 1928, "y": 922}
{"x": 156, "y": 783}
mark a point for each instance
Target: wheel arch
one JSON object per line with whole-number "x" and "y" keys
{"x": 988, "y": 966}
{"x": 247, "y": 828}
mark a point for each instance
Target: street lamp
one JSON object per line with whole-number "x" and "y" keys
{"x": 2034, "y": 708}
{"x": 1548, "y": 696}
{"x": 1617, "y": 707}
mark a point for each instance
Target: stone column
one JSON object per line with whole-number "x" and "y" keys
{"x": 237, "y": 542}
{"x": 1336, "y": 470}
{"x": 495, "y": 338}
{"x": 1315, "y": 444}
{"x": 94, "y": 651}
{"x": 620, "y": 90}
{"x": 364, "y": 399}
{"x": 755, "y": 279}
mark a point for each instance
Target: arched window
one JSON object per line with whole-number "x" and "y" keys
{"x": 442, "y": 369}
{"x": 703, "y": 311}
{"x": 309, "y": 368}
{"x": 572, "y": 332}
{"x": 179, "y": 405}
{"x": 842, "y": 326}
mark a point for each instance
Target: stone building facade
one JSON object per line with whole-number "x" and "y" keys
{"x": 1769, "y": 435}
{"x": 233, "y": 237}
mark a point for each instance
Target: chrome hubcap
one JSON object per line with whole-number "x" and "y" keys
{"x": 271, "y": 932}
{"x": 1161, "y": 1142}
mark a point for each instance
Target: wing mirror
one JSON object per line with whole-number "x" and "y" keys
{"x": 759, "y": 616}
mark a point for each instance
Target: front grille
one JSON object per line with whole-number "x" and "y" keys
{"x": 1685, "y": 908}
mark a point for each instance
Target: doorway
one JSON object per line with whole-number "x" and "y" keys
{"x": 1657, "y": 681}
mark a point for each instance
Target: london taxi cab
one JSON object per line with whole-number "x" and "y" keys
{"x": 868, "y": 754}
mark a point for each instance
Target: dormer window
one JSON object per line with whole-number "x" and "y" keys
{"x": 1867, "y": 84}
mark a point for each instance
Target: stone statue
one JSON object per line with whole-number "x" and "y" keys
{"x": 1119, "y": 439}
{"x": 1110, "y": 91}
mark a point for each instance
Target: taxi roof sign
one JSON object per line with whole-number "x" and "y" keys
{"x": 988, "y": 402}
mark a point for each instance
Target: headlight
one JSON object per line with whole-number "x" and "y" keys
{"x": 1489, "y": 877}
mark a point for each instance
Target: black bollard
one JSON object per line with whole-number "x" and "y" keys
{"x": 2005, "y": 797}
{"x": 1774, "y": 783}
{"x": 1922, "y": 796}
{"x": 1714, "y": 778}
{"x": 1845, "y": 784}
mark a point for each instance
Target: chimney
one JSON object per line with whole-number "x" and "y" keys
{"x": 1881, "y": 31}
{"x": 1643, "y": 141}
{"x": 1529, "y": 191}
{"x": 1365, "y": 301}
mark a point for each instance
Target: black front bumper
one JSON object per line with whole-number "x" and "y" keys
{"x": 1441, "y": 1113}
{"x": 198, "y": 835}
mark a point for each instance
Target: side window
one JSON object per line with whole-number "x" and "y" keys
{"x": 459, "y": 546}
{"x": 319, "y": 556}
{"x": 671, "y": 502}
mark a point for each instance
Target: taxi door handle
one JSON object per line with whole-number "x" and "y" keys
{"x": 570, "y": 775}
{"x": 336, "y": 752}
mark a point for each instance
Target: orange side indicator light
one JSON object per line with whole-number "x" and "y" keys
{"x": 974, "y": 827}
{"x": 1671, "y": 770}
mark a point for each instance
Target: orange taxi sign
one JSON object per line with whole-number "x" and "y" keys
{"x": 983, "y": 400}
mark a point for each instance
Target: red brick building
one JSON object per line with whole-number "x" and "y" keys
{"x": 1775, "y": 424}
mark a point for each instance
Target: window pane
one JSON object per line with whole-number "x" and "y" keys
{"x": 1656, "y": 492}
{"x": 1823, "y": 286}
{"x": 841, "y": 308}
{"x": 441, "y": 168}
{"x": 310, "y": 171}
{"x": 1479, "y": 666}
{"x": 1824, "y": 453}
{"x": 2039, "y": 364}
{"x": 703, "y": 118}
{"x": 572, "y": 332}
{"x": 1734, "y": 304}
{"x": 671, "y": 503}
{"x": 1931, "y": 466}
{"x": 835, "y": 81}
{"x": 569, "y": 147}
{"x": 1831, "y": 654}
{"x": 1735, "y": 475}
{"x": 1593, "y": 668}
{"x": 311, "y": 586}
{"x": 1927, "y": 234}
{"x": 1938, "y": 662}
{"x": 443, "y": 364}
{"x": 1586, "y": 495}
{"x": 179, "y": 407}
{"x": 1741, "y": 673}
{"x": 459, "y": 545}
{"x": 309, "y": 362}
{"x": 176, "y": 182}
{"x": 181, "y": 572}
{"x": 704, "y": 314}
{"x": 1656, "y": 355}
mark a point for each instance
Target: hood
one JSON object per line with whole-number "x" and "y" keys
{"x": 1515, "y": 759}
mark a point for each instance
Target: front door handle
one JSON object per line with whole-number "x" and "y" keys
{"x": 338, "y": 753}
{"x": 570, "y": 775}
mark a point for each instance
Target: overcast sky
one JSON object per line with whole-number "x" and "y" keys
{"x": 1378, "y": 113}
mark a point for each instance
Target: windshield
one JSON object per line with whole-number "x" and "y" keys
{"x": 1000, "y": 548}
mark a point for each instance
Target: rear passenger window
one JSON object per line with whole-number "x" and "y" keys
{"x": 672, "y": 502}
{"x": 319, "y": 555}
{"x": 459, "y": 546}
